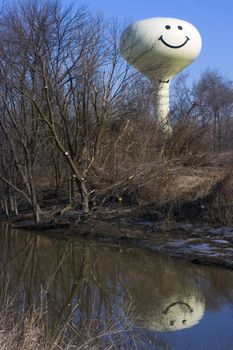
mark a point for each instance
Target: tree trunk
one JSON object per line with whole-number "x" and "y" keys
{"x": 36, "y": 213}
{"x": 13, "y": 204}
{"x": 85, "y": 198}
{"x": 35, "y": 206}
{"x": 15, "y": 207}
{"x": 5, "y": 205}
{"x": 69, "y": 190}
{"x": 11, "y": 200}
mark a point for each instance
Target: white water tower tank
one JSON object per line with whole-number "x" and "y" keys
{"x": 161, "y": 47}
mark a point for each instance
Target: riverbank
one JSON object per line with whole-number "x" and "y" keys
{"x": 186, "y": 212}
{"x": 195, "y": 242}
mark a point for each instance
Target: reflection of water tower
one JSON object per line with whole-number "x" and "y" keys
{"x": 160, "y": 48}
{"x": 174, "y": 313}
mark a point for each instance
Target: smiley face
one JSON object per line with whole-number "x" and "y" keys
{"x": 179, "y": 27}
{"x": 160, "y": 47}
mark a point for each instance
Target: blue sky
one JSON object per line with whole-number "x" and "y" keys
{"x": 214, "y": 20}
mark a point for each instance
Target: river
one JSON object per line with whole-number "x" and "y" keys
{"x": 165, "y": 303}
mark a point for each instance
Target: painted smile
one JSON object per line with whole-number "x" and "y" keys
{"x": 172, "y": 46}
{"x": 177, "y": 303}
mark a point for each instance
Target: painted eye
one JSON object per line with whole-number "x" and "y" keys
{"x": 168, "y": 27}
{"x": 180, "y": 28}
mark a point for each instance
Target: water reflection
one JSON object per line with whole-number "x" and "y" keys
{"x": 177, "y": 312}
{"x": 73, "y": 278}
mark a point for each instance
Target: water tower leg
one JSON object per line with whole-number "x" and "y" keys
{"x": 162, "y": 106}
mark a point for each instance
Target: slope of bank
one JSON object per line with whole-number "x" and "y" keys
{"x": 184, "y": 210}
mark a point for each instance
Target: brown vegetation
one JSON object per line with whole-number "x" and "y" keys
{"x": 31, "y": 333}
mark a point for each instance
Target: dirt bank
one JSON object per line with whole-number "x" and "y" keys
{"x": 185, "y": 212}
{"x": 197, "y": 243}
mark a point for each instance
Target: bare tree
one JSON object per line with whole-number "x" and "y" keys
{"x": 202, "y": 113}
{"x": 214, "y": 96}
{"x": 64, "y": 80}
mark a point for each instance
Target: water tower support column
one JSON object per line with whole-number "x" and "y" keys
{"x": 162, "y": 105}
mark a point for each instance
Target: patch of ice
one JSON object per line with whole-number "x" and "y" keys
{"x": 229, "y": 249}
{"x": 176, "y": 243}
{"x": 201, "y": 246}
{"x": 221, "y": 241}
{"x": 224, "y": 230}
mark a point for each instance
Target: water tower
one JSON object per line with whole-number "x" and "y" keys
{"x": 161, "y": 47}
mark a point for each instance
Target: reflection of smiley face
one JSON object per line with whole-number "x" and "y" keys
{"x": 177, "y": 308}
{"x": 168, "y": 27}
{"x": 173, "y": 314}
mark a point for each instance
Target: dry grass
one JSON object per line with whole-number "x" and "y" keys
{"x": 30, "y": 332}
{"x": 221, "y": 209}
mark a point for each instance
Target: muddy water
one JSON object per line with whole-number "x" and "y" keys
{"x": 170, "y": 303}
